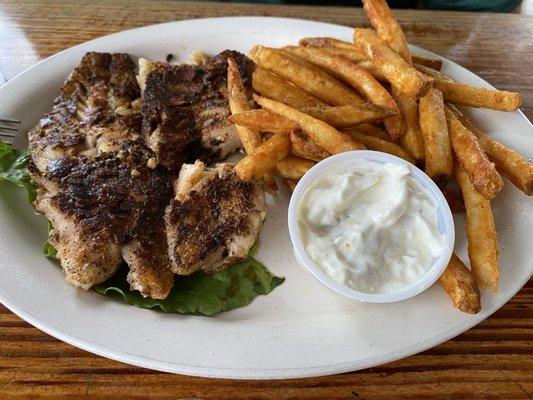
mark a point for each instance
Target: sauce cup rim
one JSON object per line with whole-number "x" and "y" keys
{"x": 444, "y": 216}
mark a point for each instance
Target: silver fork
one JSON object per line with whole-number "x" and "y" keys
{"x": 8, "y": 129}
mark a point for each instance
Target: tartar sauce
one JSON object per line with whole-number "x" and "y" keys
{"x": 372, "y": 227}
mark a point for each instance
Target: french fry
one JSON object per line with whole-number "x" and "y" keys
{"x": 348, "y": 50}
{"x": 304, "y": 75}
{"x": 511, "y": 164}
{"x": 460, "y": 285}
{"x": 272, "y": 86}
{"x": 303, "y": 146}
{"x": 354, "y": 96}
{"x": 390, "y": 31}
{"x": 481, "y": 233}
{"x": 373, "y": 69}
{"x": 374, "y": 143}
{"x": 372, "y": 130}
{"x": 400, "y": 74}
{"x": 515, "y": 167}
{"x": 339, "y": 117}
{"x": 265, "y": 157}
{"x": 321, "y": 133}
{"x": 437, "y": 75}
{"x": 263, "y": 121}
{"x": 387, "y": 27}
{"x": 329, "y": 42}
{"x": 471, "y": 96}
{"x": 348, "y": 116}
{"x": 352, "y": 53}
{"x": 358, "y": 78}
{"x": 481, "y": 171}
{"x": 412, "y": 141}
{"x": 433, "y": 63}
{"x": 437, "y": 145}
{"x": 238, "y": 103}
{"x": 294, "y": 167}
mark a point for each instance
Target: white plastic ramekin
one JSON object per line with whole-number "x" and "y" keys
{"x": 344, "y": 161}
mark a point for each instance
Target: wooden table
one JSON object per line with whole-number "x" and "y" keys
{"x": 493, "y": 360}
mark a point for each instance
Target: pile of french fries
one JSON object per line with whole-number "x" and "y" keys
{"x": 328, "y": 96}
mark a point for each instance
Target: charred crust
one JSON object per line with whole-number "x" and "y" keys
{"x": 107, "y": 201}
{"x": 174, "y": 99}
{"x": 114, "y": 71}
{"x": 102, "y": 80}
{"x": 223, "y": 205}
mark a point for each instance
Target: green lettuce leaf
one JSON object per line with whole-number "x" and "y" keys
{"x": 14, "y": 168}
{"x": 48, "y": 249}
{"x": 201, "y": 293}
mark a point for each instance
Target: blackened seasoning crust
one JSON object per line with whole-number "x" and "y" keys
{"x": 99, "y": 86}
{"x": 214, "y": 219}
{"x": 122, "y": 203}
{"x": 106, "y": 196}
{"x": 168, "y": 119}
{"x": 185, "y": 109}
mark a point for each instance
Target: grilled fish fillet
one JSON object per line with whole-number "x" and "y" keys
{"x": 96, "y": 101}
{"x": 101, "y": 214}
{"x": 93, "y": 182}
{"x": 214, "y": 219}
{"x": 185, "y": 109}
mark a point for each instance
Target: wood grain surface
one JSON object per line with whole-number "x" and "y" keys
{"x": 491, "y": 361}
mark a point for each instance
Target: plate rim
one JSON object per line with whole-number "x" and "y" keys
{"x": 234, "y": 373}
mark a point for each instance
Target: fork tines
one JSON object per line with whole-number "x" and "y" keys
{"x": 8, "y": 128}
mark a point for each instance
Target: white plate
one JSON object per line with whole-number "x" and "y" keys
{"x": 302, "y": 328}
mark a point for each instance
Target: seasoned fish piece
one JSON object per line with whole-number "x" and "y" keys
{"x": 97, "y": 99}
{"x": 214, "y": 219}
{"x": 93, "y": 181}
{"x": 103, "y": 210}
{"x": 185, "y": 109}
{"x": 150, "y": 271}
{"x": 86, "y": 262}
